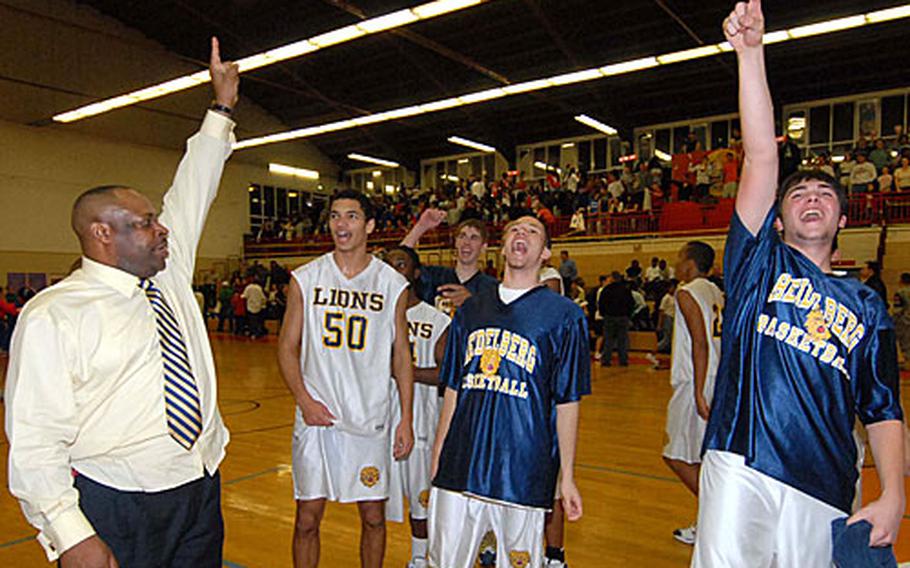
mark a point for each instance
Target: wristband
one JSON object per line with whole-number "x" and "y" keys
{"x": 221, "y": 108}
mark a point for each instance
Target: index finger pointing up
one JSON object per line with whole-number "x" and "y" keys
{"x": 215, "y": 58}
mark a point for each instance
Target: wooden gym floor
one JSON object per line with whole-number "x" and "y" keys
{"x": 631, "y": 500}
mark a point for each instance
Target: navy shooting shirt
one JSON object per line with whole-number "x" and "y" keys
{"x": 802, "y": 354}
{"x": 431, "y": 277}
{"x": 511, "y": 364}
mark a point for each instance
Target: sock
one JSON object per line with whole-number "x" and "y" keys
{"x": 418, "y": 547}
{"x": 554, "y": 553}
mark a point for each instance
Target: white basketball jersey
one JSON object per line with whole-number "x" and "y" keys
{"x": 348, "y": 335}
{"x": 710, "y": 302}
{"x": 425, "y": 324}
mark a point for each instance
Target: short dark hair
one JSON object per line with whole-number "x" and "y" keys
{"x": 797, "y": 178}
{"x": 905, "y": 277}
{"x": 701, "y": 254}
{"x": 616, "y": 275}
{"x": 477, "y": 224}
{"x": 415, "y": 258}
{"x": 365, "y": 202}
{"x": 874, "y": 266}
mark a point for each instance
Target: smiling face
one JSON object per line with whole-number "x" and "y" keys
{"x": 525, "y": 244}
{"x": 349, "y": 225}
{"x": 469, "y": 244}
{"x": 139, "y": 241}
{"x": 810, "y": 213}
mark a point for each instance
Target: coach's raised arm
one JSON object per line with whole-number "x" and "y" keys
{"x": 111, "y": 394}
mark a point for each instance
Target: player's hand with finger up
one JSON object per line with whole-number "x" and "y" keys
{"x": 745, "y": 26}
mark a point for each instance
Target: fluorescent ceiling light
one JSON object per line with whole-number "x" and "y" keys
{"x": 370, "y": 185}
{"x": 629, "y": 66}
{"x": 545, "y": 167}
{"x": 888, "y": 14}
{"x": 568, "y": 145}
{"x": 470, "y": 144}
{"x": 372, "y": 160}
{"x": 334, "y": 37}
{"x": 827, "y": 27}
{"x": 575, "y": 77}
{"x": 389, "y": 21}
{"x": 292, "y": 171}
{"x": 463, "y": 161}
{"x": 610, "y": 70}
{"x": 686, "y": 55}
{"x": 433, "y": 9}
{"x": 663, "y": 155}
{"x": 377, "y": 173}
{"x": 596, "y": 124}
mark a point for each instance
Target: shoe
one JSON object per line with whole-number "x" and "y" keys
{"x": 652, "y": 359}
{"x": 417, "y": 563}
{"x": 550, "y": 563}
{"x": 597, "y": 356}
{"x": 685, "y": 535}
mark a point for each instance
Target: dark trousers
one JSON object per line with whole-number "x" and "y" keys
{"x": 257, "y": 323}
{"x": 616, "y": 335}
{"x": 177, "y": 528}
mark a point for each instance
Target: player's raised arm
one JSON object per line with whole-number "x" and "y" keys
{"x": 429, "y": 220}
{"x": 289, "y": 341}
{"x": 744, "y": 28}
{"x": 403, "y": 371}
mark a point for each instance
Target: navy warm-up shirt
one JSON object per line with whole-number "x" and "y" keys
{"x": 511, "y": 364}
{"x": 802, "y": 354}
{"x": 431, "y": 277}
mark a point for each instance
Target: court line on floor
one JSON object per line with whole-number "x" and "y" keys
{"x": 254, "y": 475}
{"x": 230, "y": 564}
{"x": 627, "y": 472}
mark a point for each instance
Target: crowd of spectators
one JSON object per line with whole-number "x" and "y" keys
{"x": 11, "y": 303}
{"x": 636, "y": 187}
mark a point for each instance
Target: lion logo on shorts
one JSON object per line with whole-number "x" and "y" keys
{"x": 424, "y": 498}
{"x": 815, "y": 326}
{"x": 369, "y": 476}
{"x": 489, "y": 362}
{"x": 519, "y": 558}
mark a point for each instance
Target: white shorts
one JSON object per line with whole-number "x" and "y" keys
{"x": 410, "y": 478}
{"x": 685, "y": 428}
{"x": 746, "y": 518}
{"x": 459, "y": 522}
{"x": 338, "y": 466}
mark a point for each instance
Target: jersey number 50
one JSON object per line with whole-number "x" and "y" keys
{"x": 339, "y": 330}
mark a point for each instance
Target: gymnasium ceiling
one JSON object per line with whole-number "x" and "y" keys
{"x": 511, "y": 41}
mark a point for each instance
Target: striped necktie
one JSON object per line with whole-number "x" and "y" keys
{"x": 181, "y": 397}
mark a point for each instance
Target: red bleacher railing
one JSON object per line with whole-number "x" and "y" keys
{"x": 680, "y": 218}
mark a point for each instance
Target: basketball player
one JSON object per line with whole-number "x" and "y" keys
{"x": 345, "y": 330}
{"x": 444, "y": 287}
{"x": 428, "y": 330}
{"x": 696, "y": 352}
{"x": 804, "y": 351}
{"x": 516, "y": 366}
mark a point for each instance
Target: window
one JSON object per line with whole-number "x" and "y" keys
{"x": 662, "y": 138}
{"x": 843, "y": 122}
{"x": 615, "y": 151}
{"x": 584, "y": 156}
{"x": 600, "y": 154}
{"x": 892, "y": 114}
{"x": 680, "y": 135}
{"x": 820, "y": 125}
{"x": 720, "y": 138}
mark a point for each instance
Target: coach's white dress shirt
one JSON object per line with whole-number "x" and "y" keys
{"x": 85, "y": 388}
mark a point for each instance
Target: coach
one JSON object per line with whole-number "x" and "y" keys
{"x": 115, "y": 435}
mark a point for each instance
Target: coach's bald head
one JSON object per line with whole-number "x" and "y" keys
{"x": 118, "y": 226}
